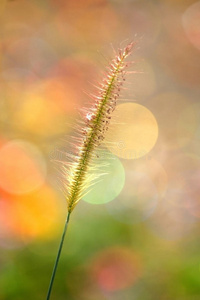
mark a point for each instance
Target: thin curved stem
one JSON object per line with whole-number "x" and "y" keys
{"x": 58, "y": 257}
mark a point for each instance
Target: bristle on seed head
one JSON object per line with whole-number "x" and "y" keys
{"x": 97, "y": 119}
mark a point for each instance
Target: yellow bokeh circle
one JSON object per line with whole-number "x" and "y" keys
{"x": 133, "y": 131}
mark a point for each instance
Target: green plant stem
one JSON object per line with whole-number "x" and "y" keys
{"x": 58, "y": 257}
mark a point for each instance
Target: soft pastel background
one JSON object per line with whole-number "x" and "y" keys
{"x": 142, "y": 242}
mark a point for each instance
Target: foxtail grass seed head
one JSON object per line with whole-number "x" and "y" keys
{"x": 96, "y": 122}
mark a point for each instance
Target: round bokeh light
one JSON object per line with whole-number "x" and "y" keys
{"x": 115, "y": 269}
{"x": 133, "y": 131}
{"x": 35, "y": 215}
{"x": 22, "y": 167}
{"x": 191, "y": 24}
{"x": 110, "y": 184}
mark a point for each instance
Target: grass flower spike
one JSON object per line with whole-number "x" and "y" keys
{"x": 92, "y": 132}
{"x": 96, "y": 124}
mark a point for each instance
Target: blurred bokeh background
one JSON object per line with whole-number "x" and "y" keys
{"x": 136, "y": 236}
